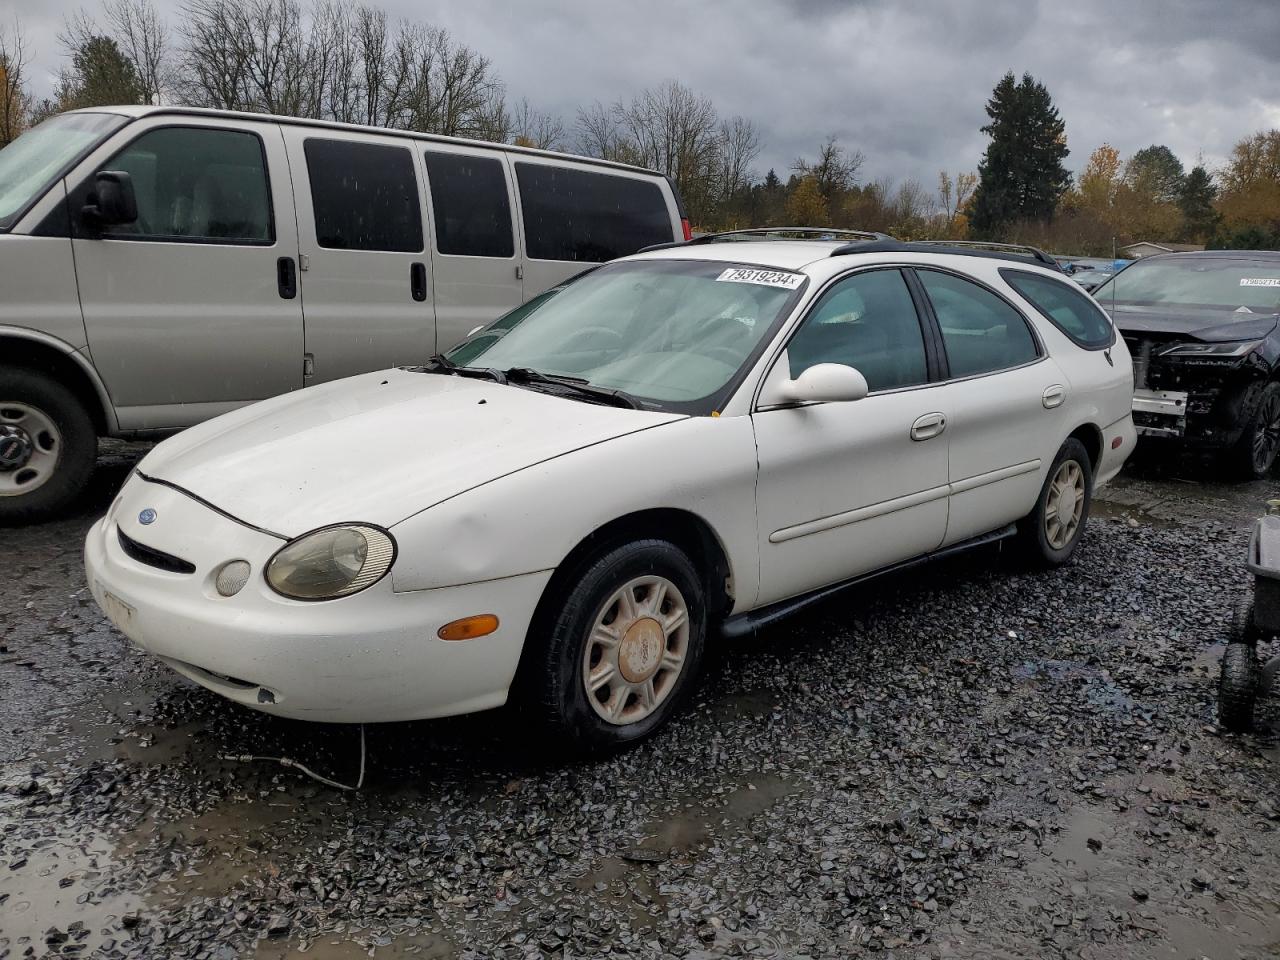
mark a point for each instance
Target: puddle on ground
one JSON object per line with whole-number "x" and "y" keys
{"x": 62, "y": 889}
{"x": 1099, "y": 689}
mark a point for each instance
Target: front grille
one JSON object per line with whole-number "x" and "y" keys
{"x": 153, "y": 557}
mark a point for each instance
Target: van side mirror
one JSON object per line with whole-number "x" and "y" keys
{"x": 829, "y": 382}
{"x": 112, "y": 201}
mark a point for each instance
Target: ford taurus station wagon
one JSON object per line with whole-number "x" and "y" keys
{"x": 692, "y": 440}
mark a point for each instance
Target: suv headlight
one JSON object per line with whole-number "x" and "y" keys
{"x": 1212, "y": 351}
{"x": 331, "y": 562}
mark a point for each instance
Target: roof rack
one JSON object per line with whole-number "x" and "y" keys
{"x": 964, "y": 248}
{"x": 776, "y": 233}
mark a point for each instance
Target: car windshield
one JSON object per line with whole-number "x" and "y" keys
{"x": 1246, "y": 286}
{"x": 670, "y": 332}
{"x": 35, "y": 159}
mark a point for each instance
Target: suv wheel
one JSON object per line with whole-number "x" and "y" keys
{"x": 623, "y": 648}
{"x": 47, "y": 446}
{"x": 1051, "y": 532}
{"x": 1256, "y": 450}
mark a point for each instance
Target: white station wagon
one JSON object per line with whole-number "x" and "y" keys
{"x": 691, "y": 440}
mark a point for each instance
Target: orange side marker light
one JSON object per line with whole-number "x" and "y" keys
{"x": 468, "y": 628}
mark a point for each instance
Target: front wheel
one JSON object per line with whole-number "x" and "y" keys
{"x": 622, "y": 649}
{"x": 47, "y": 446}
{"x": 1050, "y": 533}
{"x": 1256, "y": 450}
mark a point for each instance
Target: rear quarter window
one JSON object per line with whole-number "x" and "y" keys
{"x": 590, "y": 217}
{"x": 1063, "y": 305}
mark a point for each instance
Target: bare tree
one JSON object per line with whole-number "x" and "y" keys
{"x": 144, "y": 37}
{"x": 532, "y": 128}
{"x": 15, "y": 98}
{"x": 835, "y": 170}
{"x": 739, "y": 145}
{"x": 599, "y": 133}
{"x": 216, "y": 55}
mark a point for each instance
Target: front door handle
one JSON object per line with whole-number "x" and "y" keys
{"x": 928, "y": 426}
{"x": 1053, "y": 396}
{"x": 418, "y": 281}
{"x": 286, "y": 278}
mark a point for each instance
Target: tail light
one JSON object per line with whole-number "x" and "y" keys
{"x": 688, "y": 231}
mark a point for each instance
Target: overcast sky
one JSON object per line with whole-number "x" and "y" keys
{"x": 904, "y": 81}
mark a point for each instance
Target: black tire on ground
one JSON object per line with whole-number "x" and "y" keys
{"x": 1032, "y": 534}
{"x": 1243, "y": 629}
{"x": 76, "y": 453}
{"x": 1255, "y": 452}
{"x": 552, "y": 686}
{"x": 1238, "y": 686}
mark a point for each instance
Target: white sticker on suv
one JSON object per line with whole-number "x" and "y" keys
{"x": 768, "y": 278}
{"x": 1248, "y": 281}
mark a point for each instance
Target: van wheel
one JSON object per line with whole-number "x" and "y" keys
{"x": 1255, "y": 452}
{"x": 1050, "y": 533}
{"x": 623, "y": 648}
{"x": 47, "y": 446}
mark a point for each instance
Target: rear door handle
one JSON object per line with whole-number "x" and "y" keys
{"x": 1053, "y": 396}
{"x": 928, "y": 426}
{"x": 286, "y": 278}
{"x": 418, "y": 281}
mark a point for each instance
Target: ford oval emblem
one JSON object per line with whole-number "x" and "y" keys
{"x": 147, "y": 517}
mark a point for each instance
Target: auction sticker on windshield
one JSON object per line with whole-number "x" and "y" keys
{"x": 1248, "y": 281}
{"x": 766, "y": 278}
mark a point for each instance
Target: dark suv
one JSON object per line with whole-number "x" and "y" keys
{"x": 1204, "y": 332}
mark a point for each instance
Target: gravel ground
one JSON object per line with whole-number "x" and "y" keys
{"x": 969, "y": 761}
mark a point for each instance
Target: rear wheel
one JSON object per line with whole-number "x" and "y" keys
{"x": 1255, "y": 452}
{"x": 622, "y": 649}
{"x": 1050, "y": 533}
{"x": 47, "y": 446}
{"x": 1241, "y": 674}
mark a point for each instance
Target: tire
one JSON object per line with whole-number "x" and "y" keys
{"x": 1255, "y": 452}
{"x": 43, "y": 422}
{"x": 1238, "y": 686}
{"x": 554, "y": 681}
{"x": 1036, "y": 531}
{"x": 1243, "y": 629}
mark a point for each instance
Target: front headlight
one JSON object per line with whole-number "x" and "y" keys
{"x": 331, "y": 562}
{"x": 1222, "y": 351}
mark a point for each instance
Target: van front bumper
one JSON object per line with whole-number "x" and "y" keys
{"x": 371, "y": 657}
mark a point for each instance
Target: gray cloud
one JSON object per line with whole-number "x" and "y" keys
{"x": 905, "y": 81}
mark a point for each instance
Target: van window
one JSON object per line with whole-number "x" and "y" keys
{"x": 364, "y": 196}
{"x": 571, "y": 214}
{"x": 197, "y": 184}
{"x": 1064, "y": 306}
{"x": 980, "y": 331}
{"x": 470, "y": 204}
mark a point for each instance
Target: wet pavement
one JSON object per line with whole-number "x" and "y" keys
{"x": 967, "y": 761}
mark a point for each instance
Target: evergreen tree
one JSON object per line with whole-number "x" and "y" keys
{"x": 1021, "y": 176}
{"x": 1196, "y": 200}
{"x": 101, "y": 75}
{"x": 1154, "y": 171}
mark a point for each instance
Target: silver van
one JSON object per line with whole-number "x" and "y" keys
{"x": 160, "y": 265}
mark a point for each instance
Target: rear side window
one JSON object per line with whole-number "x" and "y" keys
{"x": 981, "y": 332}
{"x": 1064, "y": 306}
{"x": 364, "y": 196}
{"x": 197, "y": 184}
{"x": 591, "y": 217}
{"x": 469, "y": 200}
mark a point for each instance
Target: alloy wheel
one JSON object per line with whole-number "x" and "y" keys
{"x": 636, "y": 650}
{"x": 1064, "y": 505}
{"x": 1266, "y": 436}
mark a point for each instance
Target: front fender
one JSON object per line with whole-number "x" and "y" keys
{"x": 530, "y": 520}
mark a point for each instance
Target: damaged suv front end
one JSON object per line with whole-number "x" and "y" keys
{"x": 1204, "y": 333}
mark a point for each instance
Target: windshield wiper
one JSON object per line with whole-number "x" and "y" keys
{"x": 439, "y": 363}
{"x": 527, "y": 375}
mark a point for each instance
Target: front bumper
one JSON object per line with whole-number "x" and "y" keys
{"x": 1160, "y": 413}
{"x": 367, "y": 658}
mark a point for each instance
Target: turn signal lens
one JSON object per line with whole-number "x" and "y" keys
{"x": 468, "y": 628}
{"x": 232, "y": 578}
{"x": 332, "y": 562}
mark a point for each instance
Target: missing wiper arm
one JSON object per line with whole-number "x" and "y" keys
{"x": 527, "y": 375}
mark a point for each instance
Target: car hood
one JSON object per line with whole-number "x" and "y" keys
{"x": 376, "y": 448}
{"x": 1210, "y": 325}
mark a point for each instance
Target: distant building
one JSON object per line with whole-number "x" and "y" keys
{"x": 1145, "y": 248}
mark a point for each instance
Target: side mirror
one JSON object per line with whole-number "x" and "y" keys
{"x": 830, "y": 382}
{"x": 112, "y": 201}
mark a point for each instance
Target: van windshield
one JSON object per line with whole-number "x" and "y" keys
{"x": 43, "y": 153}
{"x": 671, "y": 333}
